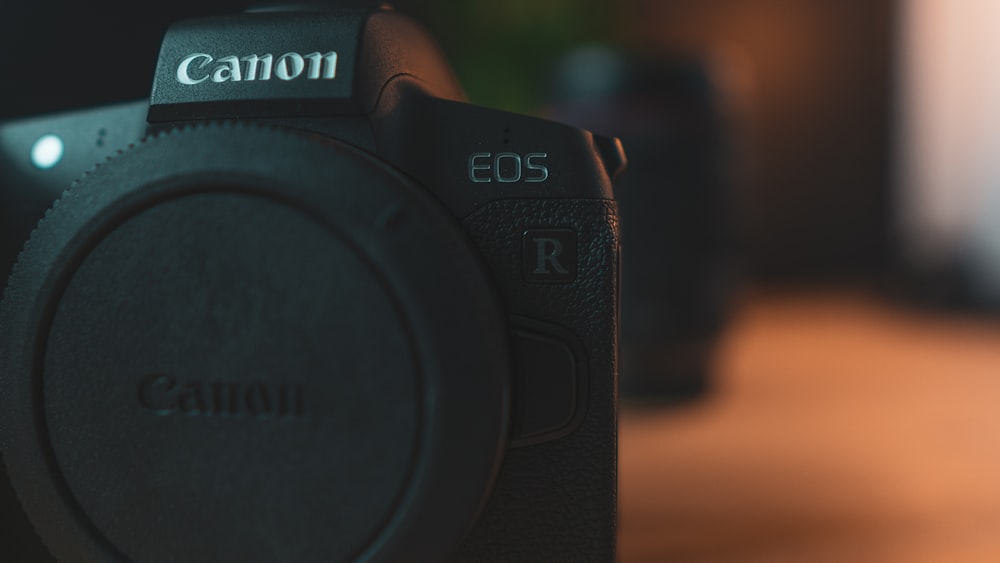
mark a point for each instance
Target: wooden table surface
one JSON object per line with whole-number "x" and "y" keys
{"x": 841, "y": 429}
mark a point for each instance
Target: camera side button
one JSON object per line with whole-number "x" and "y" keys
{"x": 547, "y": 383}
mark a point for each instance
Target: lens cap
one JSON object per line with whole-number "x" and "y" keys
{"x": 240, "y": 343}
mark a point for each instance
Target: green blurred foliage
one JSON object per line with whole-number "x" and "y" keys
{"x": 502, "y": 50}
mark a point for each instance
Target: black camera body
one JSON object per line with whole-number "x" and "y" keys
{"x": 310, "y": 306}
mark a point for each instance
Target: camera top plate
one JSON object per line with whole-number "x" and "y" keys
{"x": 288, "y": 64}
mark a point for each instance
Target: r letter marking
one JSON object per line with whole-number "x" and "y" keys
{"x": 550, "y": 255}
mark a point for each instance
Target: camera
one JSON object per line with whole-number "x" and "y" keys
{"x": 305, "y": 303}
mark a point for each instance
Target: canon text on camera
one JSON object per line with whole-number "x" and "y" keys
{"x": 316, "y": 65}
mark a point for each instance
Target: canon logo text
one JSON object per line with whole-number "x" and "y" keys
{"x": 199, "y": 67}
{"x": 165, "y": 395}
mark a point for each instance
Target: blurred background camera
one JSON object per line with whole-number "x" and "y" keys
{"x": 675, "y": 203}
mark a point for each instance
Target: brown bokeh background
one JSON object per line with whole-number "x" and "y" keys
{"x": 817, "y": 117}
{"x": 842, "y": 429}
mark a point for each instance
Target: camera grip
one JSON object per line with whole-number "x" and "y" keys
{"x": 556, "y": 501}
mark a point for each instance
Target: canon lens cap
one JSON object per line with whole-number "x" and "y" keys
{"x": 241, "y": 343}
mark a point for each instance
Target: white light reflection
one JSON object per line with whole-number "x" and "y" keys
{"x": 47, "y": 151}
